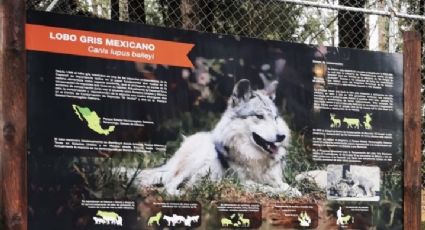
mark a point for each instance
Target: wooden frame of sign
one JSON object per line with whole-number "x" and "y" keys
{"x": 13, "y": 120}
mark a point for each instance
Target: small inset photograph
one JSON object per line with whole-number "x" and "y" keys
{"x": 353, "y": 183}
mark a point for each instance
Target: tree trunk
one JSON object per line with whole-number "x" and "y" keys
{"x": 115, "y": 10}
{"x": 69, "y": 7}
{"x": 197, "y": 15}
{"x": 171, "y": 13}
{"x": 352, "y": 25}
{"x": 136, "y": 11}
{"x": 32, "y": 4}
{"x": 207, "y": 18}
{"x": 421, "y": 22}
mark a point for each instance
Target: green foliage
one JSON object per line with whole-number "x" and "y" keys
{"x": 113, "y": 177}
{"x": 186, "y": 124}
{"x": 298, "y": 161}
{"x": 388, "y": 213}
{"x": 207, "y": 190}
{"x": 299, "y": 155}
{"x": 264, "y": 19}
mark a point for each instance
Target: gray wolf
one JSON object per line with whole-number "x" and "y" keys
{"x": 361, "y": 182}
{"x": 108, "y": 218}
{"x": 250, "y": 139}
{"x": 345, "y": 219}
{"x": 190, "y": 219}
{"x": 155, "y": 219}
{"x": 98, "y": 220}
{"x": 173, "y": 220}
{"x": 169, "y": 220}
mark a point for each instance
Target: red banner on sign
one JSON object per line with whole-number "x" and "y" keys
{"x": 108, "y": 46}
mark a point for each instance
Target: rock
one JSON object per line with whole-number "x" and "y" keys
{"x": 316, "y": 176}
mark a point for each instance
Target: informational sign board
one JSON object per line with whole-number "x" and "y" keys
{"x": 140, "y": 127}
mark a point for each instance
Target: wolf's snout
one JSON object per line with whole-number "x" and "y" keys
{"x": 280, "y": 138}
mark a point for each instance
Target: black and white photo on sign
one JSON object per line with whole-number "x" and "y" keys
{"x": 353, "y": 183}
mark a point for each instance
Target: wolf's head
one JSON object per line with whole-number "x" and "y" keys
{"x": 252, "y": 120}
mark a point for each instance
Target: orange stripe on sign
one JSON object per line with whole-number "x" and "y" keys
{"x": 108, "y": 46}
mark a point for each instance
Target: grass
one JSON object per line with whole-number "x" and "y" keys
{"x": 100, "y": 180}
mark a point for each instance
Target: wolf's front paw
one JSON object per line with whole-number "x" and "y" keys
{"x": 173, "y": 192}
{"x": 289, "y": 191}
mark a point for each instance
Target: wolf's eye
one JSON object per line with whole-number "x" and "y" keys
{"x": 259, "y": 116}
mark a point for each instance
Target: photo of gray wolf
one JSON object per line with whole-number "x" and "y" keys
{"x": 250, "y": 139}
{"x": 353, "y": 183}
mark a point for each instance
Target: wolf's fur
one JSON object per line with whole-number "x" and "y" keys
{"x": 251, "y": 138}
{"x": 362, "y": 182}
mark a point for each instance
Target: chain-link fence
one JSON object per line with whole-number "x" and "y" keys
{"x": 364, "y": 24}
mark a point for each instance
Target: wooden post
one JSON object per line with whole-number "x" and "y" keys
{"x": 13, "y": 115}
{"x": 412, "y": 130}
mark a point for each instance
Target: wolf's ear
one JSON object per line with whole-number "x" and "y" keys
{"x": 241, "y": 92}
{"x": 270, "y": 86}
{"x": 270, "y": 90}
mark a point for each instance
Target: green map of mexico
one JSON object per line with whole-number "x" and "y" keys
{"x": 93, "y": 120}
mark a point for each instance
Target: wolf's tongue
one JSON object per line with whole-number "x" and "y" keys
{"x": 272, "y": 148}
{"x": 267, "y": 146}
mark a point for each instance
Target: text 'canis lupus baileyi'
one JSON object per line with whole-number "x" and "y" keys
{"x": 250, "y": 139}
